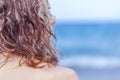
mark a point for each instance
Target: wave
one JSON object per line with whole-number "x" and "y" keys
{"x": 92, "y": 62}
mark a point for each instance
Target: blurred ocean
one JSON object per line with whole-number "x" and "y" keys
{"x": 90, "y": 48}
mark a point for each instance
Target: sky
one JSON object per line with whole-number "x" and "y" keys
{"x": 85, "y": 9}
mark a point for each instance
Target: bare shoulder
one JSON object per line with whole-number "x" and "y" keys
{"x": 58, "y": 73}
{"x": 67, "y": 74}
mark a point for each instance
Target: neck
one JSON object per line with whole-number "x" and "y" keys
{"x": 14, "y": 62}
{"x": 9, "y": 62}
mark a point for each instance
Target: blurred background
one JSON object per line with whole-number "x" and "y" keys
{"x": 88, "y": 35}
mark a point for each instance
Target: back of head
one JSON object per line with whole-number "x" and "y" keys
{"x": 25, "y": 31}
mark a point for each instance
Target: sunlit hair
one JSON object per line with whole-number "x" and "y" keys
{"x": 25, "y": 31}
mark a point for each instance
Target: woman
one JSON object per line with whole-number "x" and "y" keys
{"x": 26, "y": 52}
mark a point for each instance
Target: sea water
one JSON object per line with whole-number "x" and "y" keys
{"x": 94, "y": 45}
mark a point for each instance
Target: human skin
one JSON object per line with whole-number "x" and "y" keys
{"x": 11, "y": 71}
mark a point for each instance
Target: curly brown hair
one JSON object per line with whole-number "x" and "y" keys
{"x": 25, "y": 31}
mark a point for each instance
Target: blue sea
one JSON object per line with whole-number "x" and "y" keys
{"x": 90, "y": 48}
